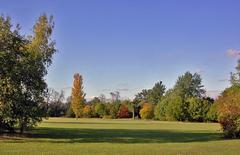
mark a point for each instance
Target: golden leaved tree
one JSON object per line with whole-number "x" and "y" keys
{"x": 78, "y": 95}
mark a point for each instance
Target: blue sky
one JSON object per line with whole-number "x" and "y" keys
{"x": 128, "y": 45}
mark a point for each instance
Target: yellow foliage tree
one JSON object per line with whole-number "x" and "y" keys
{"x": 147, "y": 111}
{"x": 78, "y": 95}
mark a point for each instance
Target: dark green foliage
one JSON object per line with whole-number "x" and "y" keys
{"x": 198, "y": 109}
{"x": 156, "y": 93}
{"x": 189, "y": 85}
{"x": 185, "y": 101}
{"x": 23, "y": 63}
{"x": 100, "y": 110}
{"x": 153, "y": 95}
{"x": 176, "y": 109}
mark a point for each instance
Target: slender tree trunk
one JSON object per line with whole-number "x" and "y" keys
{"x": 133, "y": 117}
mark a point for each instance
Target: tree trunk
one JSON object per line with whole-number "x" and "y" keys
{"x": 133, "y": 116}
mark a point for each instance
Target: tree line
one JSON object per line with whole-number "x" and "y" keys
{"x": 186, "y": 101}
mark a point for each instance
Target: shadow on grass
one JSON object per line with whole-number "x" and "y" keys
{"x": 72, "y": 135}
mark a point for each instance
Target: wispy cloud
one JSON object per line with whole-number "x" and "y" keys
{"x": 233, "y": 53}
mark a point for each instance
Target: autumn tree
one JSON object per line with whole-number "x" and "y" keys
{"x": 147, "y": 111}
{"x": 78, "y": 95}
{"x": 229, "y": 111}
{"x": 228, "y": 104}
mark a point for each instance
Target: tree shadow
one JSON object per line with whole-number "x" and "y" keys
{"x": 74, "y": 135}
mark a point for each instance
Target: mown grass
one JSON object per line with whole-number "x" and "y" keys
{"x": 107, "y": 137}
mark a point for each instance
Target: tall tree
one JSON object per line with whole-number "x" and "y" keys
{"x": 24, "y": 62}
{"x": 156, "y": 93}
{"x": 189, "y": 85}
{"x": 77, "y": 96}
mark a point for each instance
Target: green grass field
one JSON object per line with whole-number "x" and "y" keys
{"x": 126, "y": 137}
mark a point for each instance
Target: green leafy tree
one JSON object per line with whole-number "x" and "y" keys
{"x": 198, "y": 109}
{"x": 24, "y": 62}
{"x": 100, "y": 110}
{"x": 160, "y": 110}
{"x": 189, "y": 85}
{"x": 212, "y": 114}
{"x": 156, "y": 93}
{"x": 113, "y": 109}
{"x": 176, "y": 108}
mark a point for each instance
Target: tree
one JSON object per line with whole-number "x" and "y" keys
{"x": 198, "y": 109}
{"x": 147, "y": 112}
{"x": 142, "y": 96}
{"x": 113, "y": 109}
{"x": 77, "y": 96}
{"x": 160, "y": 110}
{"x": 55, "y": 103}
{"x": 24, "y": 62}
{"x": 229, "y": 111}
{"x": 189, "y": 85}
{"x": 115, "y": 96}
{"x": 176, "y": 108}
{"x": 87, "y": 111}
{"x": 156, "y": 93}
{"x": 100, "y": 110}
{"x": 69, "y": 112}
{"x": 212, "y": 114}
{"x": 123, "y": 112}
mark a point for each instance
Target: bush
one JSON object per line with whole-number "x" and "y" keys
{"x": 87, "y": 111}
{"x": 212, "y": 114}
{"x": 147, "y": 112}
{"x": 113, "y": 110}
{"x": 123, "y": 112}
{"x": 100, "y": 110}
{"x": 229, "y": 111}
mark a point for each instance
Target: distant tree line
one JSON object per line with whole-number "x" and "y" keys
{"x": 187, "y": 101}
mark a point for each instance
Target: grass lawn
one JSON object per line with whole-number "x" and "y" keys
{"x": 106, "y": 137}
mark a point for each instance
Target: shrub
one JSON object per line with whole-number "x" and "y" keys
{"x": 147, "y": 112}
{"x": 100, "y": 110}
{"x": 123, "y": 112}
{"x": 212, "y": 114}
{"x": 229, "y": 111}
{"x": 113, "y": 109}
{"x": 87, "y": 111}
